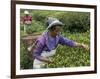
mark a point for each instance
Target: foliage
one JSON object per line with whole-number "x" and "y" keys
{"x": 25, "y": 61}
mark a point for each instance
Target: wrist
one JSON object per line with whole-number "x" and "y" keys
{"x": 78, "y": 44}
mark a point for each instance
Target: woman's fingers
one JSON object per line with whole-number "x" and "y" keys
{"x": 85, "y": 46}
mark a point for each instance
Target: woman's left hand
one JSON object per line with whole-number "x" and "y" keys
{"x": 85, "y": 46}
{"x": 82, "y": 45}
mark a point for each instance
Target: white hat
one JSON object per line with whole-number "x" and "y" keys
{"x": 26, "y": 12}
{"x": 52, "y": 22}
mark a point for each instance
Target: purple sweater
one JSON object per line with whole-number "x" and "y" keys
{"x": 43, "y": 44}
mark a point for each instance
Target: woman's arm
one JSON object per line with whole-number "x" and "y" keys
{"x": 65, "y": 41}
{"x": 81, "y": 45}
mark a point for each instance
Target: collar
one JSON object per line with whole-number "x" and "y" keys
{"x": 47, "y": 38}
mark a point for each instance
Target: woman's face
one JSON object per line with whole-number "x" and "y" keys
{"x": 27, "y": 14}
{"x": 56, "y": 31}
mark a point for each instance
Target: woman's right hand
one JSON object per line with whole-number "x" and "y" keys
{"x": 44, "y": 59}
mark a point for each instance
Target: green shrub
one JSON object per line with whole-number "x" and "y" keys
{"x": 75, "y": 21}
{"x": 25, "y": 61}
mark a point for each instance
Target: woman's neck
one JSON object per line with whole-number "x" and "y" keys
{"x": 51, "y": 34}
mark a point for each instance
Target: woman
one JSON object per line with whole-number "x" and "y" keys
{"x": 46, "y": 44}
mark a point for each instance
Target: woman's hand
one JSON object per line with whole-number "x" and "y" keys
{"x": 82, "y": 45}
{"x": 44, "y": 59}
{"x": 85, "y": 46}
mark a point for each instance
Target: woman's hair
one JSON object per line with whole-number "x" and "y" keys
{"x": 52, "y": 28}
